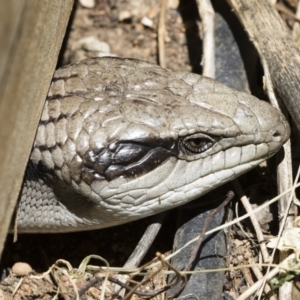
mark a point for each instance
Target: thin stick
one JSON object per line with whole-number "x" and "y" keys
{"x": 259, "y": 276}
{"x": 162, "y": 34}
{"x": 284, "y": 178}
{"x": 287, "y": 12}
{"x": 146, "y": 241}
{"x": 296, "y": 28}
{"x": 254, "y": 221}
{"x": 204, "y": 229}
{"x": 142, "y": 247}
{"x": 207, "y": 15}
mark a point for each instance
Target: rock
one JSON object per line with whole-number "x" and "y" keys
{"x": 21, "y": 269}
{"x": 87, "y": 3}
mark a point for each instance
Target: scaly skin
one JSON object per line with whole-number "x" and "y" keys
{"x": 122, "y": 139}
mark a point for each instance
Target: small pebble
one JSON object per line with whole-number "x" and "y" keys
{"x": 21, "y": 269}
{"x": 87, "y": 3}
{"x": 173, "y": 4}
{"x": 240, "y": 258}
{"x": 124, "y": 15}
{"x": 147, "y": 22}
{"x": 25, "y": 287}
{"x": 91, "y": 43}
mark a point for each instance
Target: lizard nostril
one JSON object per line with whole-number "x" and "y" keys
{"x": 281, "y": 132}
{"x": 276, "y": 134}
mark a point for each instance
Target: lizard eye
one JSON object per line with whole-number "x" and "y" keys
{"x": 196, "y": 143}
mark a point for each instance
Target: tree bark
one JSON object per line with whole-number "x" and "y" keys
{"x": 274, "y": 43}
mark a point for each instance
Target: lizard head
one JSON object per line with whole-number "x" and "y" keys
{"x": 137, "y": 139}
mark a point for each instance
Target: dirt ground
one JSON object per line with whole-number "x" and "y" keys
{"x": 126, "y": 29}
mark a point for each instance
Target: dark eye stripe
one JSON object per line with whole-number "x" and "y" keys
{"x": 130, "y": 159}
{"x": 149, "y": 162}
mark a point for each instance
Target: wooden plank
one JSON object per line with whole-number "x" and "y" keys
{"x": 32, "y": 35}
{"x": 9, "y": 19}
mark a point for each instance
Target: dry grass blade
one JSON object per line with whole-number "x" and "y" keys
{"x": 253, "y": 218}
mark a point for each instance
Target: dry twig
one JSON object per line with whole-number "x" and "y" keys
{"x": 162, "y": 34}
{"x": 207, "y": 15}
{"x": 254, "y": 221}
{"x": 296, "y": 28}
{"x": 204, "y": 229}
